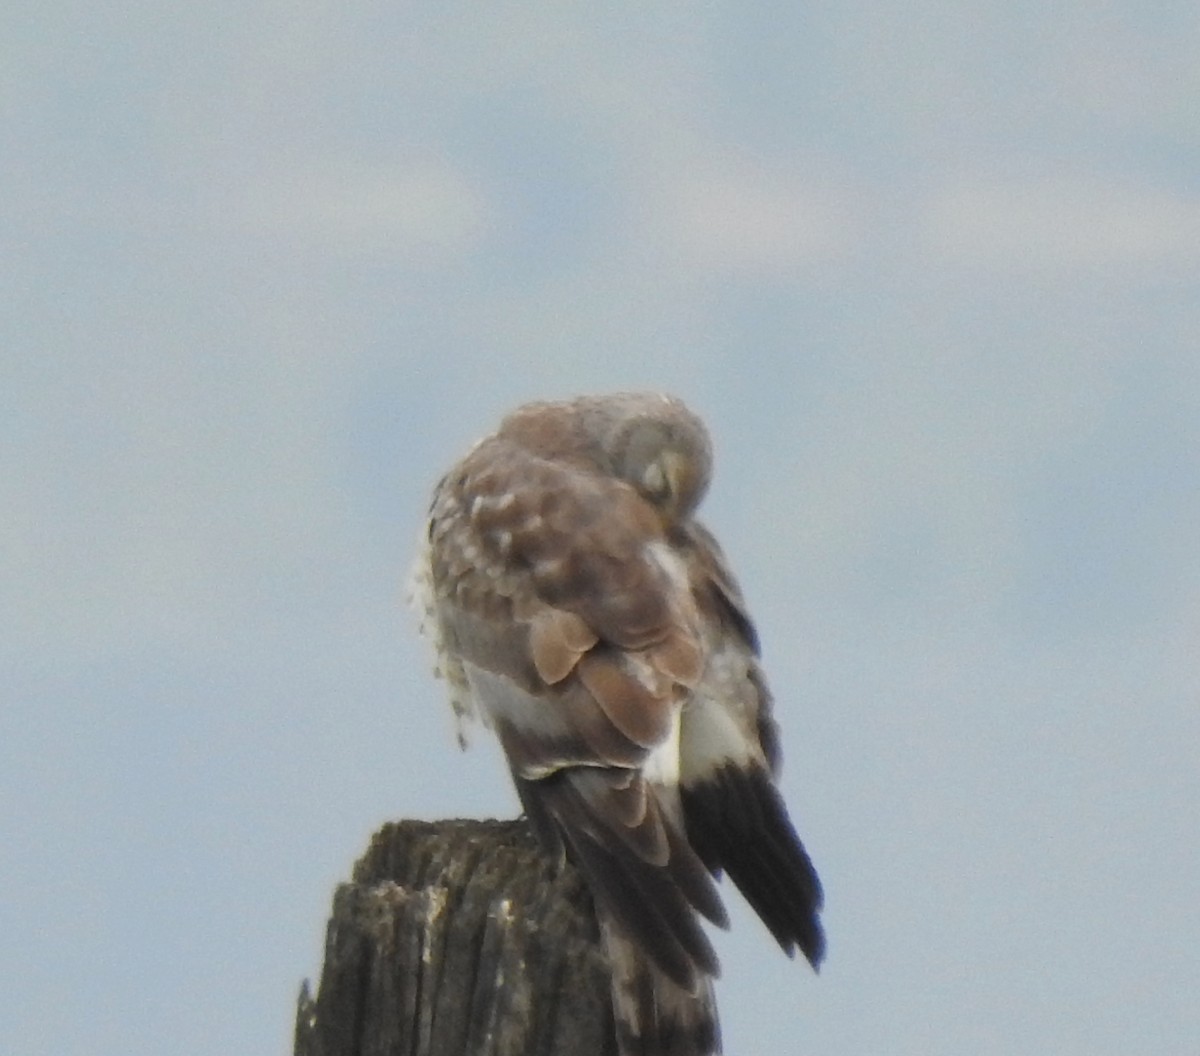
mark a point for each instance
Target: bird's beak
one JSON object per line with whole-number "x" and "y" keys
{"x": 680, "y": 485}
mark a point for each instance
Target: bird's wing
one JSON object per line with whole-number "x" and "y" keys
{"x": 729, "y": 757}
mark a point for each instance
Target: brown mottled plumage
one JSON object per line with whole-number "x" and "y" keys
{"x": 574, "y": 600}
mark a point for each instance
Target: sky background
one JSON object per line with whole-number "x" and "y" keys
{"x": 931, "y": 274}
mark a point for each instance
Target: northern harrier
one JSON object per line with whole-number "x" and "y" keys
{"x": 576, "y": 603}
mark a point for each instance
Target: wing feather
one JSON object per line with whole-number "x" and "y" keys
{"x": 632, "y": 707}
{"x": 557, "y": 640}
{"x": 735, "y": 817}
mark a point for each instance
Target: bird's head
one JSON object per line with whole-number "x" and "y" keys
{"x": 658, "y": 446}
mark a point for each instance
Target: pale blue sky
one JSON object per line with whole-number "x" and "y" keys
{"x": 931, "y": 274}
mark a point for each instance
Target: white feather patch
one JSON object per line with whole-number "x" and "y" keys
{"x": 719, "y": 720}
{"x": 423, "y": 599}
{"x": 661, "y": 767}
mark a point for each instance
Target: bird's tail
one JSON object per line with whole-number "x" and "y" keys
{"x": 653, "y": 1014}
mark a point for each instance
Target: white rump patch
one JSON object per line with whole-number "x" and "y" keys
{"x": 720, "y": 718}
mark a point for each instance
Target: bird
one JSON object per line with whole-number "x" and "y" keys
{"x": 578, "y": 608}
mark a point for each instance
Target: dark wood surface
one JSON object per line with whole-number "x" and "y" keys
{"x": 459, "y": 938}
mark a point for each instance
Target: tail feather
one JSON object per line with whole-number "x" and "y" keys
{"x": 650, "y": 896}
{"x": 653, "y": 1015}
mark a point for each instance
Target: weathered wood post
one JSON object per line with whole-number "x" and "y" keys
{"x": 459, "y": 938}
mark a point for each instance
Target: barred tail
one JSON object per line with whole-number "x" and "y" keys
{"x": 655, "y": 1016}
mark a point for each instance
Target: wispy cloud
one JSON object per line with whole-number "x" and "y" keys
{"x": 735, "y": 216}
{"x": 425, "y": 209}
{"x": 1062, "y": 222}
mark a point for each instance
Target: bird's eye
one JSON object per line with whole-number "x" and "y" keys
{"x": 654, "y": 481}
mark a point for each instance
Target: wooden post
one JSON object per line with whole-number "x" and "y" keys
{"x": 459, "y": 938}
